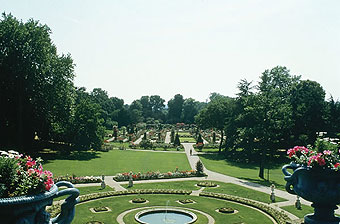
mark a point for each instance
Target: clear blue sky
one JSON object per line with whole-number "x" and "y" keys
{"x": 133, "y": 48}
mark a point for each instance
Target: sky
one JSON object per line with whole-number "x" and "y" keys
{"x": 133, "y": 48}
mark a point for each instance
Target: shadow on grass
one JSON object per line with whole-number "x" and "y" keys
{"x": 74, "y": 155}
{"x": 250, "y": 181}
{"x": 242, "y": 161}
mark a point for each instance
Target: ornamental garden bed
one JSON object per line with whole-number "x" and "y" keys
{"x": 155, "y": 175}
{"x": 207, "y": 184}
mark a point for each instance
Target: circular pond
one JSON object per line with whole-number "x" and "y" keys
{"x": 165, "y": 215}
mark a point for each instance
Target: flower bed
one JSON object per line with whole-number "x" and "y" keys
{"x": 207, "y": 184}
{"x": 55, "y": 209}
{"x": 138, "y": 200}
{"x": 155, "y": 175}
{"x": 280, "y": 217}
{"x": 186, "y": 201}
{"x": 78, "y": 180}
{"x": 22, "y": 175}
{"x": 227, "y": 210}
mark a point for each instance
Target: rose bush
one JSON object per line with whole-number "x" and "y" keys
{"x": 325, "y": 154}
{"x": 21, "y": 175}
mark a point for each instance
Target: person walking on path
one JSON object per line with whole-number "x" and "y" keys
{"x": 191, "y": 152}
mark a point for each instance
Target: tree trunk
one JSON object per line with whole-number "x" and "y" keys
{"x": 220, "y": 147}
{"x": 261, "y": 173}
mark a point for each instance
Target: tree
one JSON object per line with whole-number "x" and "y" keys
{"x": 216, "y": 114}
{"x": 157, "y": 106}
{"x": 190, "y": 110}
{"x": 308, "y": 110}
{"x": 265, "y": 121}
{"x": 36, "y": 84}
{"x": 175, "y": 107}
{"x": 177, "y": 142}
{"x": 88, "y": 132}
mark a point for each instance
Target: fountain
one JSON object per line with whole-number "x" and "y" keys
{"x": 165, "y": 216}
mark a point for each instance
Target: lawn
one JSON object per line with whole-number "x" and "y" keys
{"x": 119, "y": 144}
{"x": 208, "y": 205}
{"x": 87, "y": 190}
{"x": 244, "y": 171}
{"x": 180, "y": 185}
{"x": 224, "y": 188}
{"x": 305, "y": 209}
{"x": 233, "y": 189}
{"x": 115, "y": 161}
{"x": 187, "y": 139}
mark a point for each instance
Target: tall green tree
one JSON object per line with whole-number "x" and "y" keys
{"x": 175, "y": 108}
{"x": 36, "y": 84}
{"x": 217, "y": 114}
{"x": 308, "y": 111}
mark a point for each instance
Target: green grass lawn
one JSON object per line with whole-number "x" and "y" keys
{"x": 180, "y": 185}
{"x": 244, "y": 171}
{"x": 119, "y": 144}
{"x": 184, "y": 133}
{"x": 224, "y": 188}
{"x": 115, "y": 161}
{"x": 204, "y": 150}
{"x": 208, "y": 205}
{"x": 87, "y": 190}
{"x": 233, "y": 189}
{"x": 187, "y": 139}
{"x": 305, "y": 209}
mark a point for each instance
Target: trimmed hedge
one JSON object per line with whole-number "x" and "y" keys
{"x": 55, "y": 209}
{"x": 279, "y": 216}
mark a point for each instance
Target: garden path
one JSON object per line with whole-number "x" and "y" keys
{"x": 167, "y": 138}
{"x": 139, "y": 139}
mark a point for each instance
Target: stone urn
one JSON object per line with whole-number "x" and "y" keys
{"x": 31, "y": 209}
{"x": 319, "y": 186}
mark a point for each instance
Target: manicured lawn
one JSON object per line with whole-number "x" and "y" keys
{"x": 184, "y": 133}
{"x": 88, "y": 190}
{"x": 245, "y": 171}
{"x": 187, "y": 139}
{"x": 305, "y": 209}
{"x": 208, "y": 205}
{"x": 204, "y": 150}
{"x": 224, "y": 188}
{"x": 233, "y": 189}
{"x": 180, "y": 185}
{"x": 167, "y": 149}
{"x": 119, "y": 144}
{"x": 115, "y": 161}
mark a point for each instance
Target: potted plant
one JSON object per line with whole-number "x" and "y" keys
{"x": 316, "y": 178}
{"x": 26, "y": 189}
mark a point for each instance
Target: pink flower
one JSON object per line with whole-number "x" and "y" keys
{"x": 321, "y": 161}
{"x": 336, "y": 165}
{"x": 30, "y": 164}
{"x": 327, "y": 152}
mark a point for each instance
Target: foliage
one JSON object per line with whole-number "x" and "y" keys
{"x": 36, "y": 84}
{"x": 146, "y": 144}
{"x": 177, "y": 142}
{"x": 78, "y": 180}
{"x": 279, "y": 216}
{"x": 175, "y": 107}
{"x": 21, "y": 175}
{"x": 155, "y": 175}
{"x": 324, "y": 155}
{"x": 199, "y": 167}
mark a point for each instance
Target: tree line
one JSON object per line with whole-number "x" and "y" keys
{"x": 38, "y": 99}
{"x": 280, "y": 111}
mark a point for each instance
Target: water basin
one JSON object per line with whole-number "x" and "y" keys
{"x": 165, "y": 215}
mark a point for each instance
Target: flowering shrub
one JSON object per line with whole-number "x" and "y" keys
{"x": 154, "y": 175}
{"x": 21, "y": 175}
{"x": 325, "y": 154}
{"x": 78, "y": 180}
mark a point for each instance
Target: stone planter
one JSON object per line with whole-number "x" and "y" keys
{"x": 31, "y": 209}
{"x": 319, "y": 186}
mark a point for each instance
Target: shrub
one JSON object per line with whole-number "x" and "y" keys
{"x": 146, "y": 144}
{"x": 199, "y": 167}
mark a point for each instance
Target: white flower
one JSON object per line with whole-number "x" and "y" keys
{"x": 13, "y": 152}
